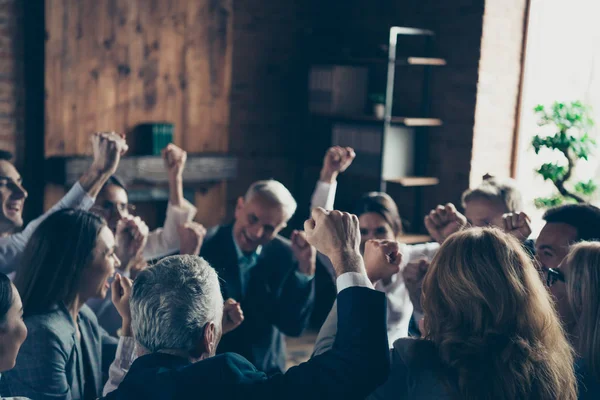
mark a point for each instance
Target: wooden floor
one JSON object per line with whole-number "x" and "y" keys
{"x": 299, "y": 349}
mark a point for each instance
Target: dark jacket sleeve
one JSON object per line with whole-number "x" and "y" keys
{"x": 293, "y": 304}
{"x": 357, "y": 363}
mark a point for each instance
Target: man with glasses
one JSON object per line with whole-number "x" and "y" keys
{"x": 107, "y": 149}
{"x": 565, "y": 225}
{"x": 135, "y": 244}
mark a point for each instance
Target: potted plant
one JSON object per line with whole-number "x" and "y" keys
{"x": 571, "y": 122}
{"x": 378, "y": 102}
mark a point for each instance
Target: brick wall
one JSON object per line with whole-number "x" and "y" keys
{"x": 11, "y": 78}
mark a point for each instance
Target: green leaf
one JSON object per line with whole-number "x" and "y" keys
{"x": 586, "y": 188}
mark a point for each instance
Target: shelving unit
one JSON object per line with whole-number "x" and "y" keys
{"x": 392, "y": 149}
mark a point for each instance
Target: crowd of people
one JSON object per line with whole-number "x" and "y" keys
{"x": 94, "y": 305}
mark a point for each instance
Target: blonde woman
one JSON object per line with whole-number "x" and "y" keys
{"x": 490, "y": 329}
{"x": 575, "y": 286}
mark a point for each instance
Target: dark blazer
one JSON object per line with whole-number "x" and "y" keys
{"x": 49, "y": 364}
{"x": 354, "y": 367}
{"x": 276, "y": 301}
{"x": 589, "y": 385}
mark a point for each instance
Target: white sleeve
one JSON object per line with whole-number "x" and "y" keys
{"x": 323, "y": 196}
{"x": 165, "y": 240}
{"x": 124, "y": 357}
{"x": 12, "y": 246}
{"x": 352, "y": 279}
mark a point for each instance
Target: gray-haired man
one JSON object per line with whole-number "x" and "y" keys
{"x": 177, "y": 307}
{"x": 268, "y": 277}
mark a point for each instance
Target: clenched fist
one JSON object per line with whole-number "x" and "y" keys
{"x": 517, "y": 224}
{"x": 337, "y": 235}
{"x": 305, "y": 254}
{"x": 233, "y": 316}
{"x": 443, "y": 221}
{"x": 382, "y": 259}
{"x": 337, "y": 160}
{"x": 131, "y": 237}
{"x": 174, "y": 158}
{"x": 191, "y": 237}
{"x": 108, "y": 147}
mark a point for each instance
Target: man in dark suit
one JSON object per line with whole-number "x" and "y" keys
{"x": 268, "y": 280}
{"x": 177, "y": 308}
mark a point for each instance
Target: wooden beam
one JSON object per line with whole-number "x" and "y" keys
{"x": 146, "y": 169}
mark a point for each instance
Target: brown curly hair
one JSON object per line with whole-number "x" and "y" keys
{"x": 493, "y": 323}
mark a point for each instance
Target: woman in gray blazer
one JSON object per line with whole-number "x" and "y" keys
{"x": 68, "y": 260}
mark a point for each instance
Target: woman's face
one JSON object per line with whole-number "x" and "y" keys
{"x": 373, "y": 226}
{"x": 95, "y": 278}
{"x": 12, "y": 333}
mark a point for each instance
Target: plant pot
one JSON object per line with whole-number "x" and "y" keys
{"x": 379, "y": 111}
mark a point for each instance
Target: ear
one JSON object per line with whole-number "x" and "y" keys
{"x": 239, "y": 206}
{"x": 206, "y": 344}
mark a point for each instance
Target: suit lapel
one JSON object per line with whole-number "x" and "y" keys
{"x": 89, "y": 342}
{"x": 227, "y": 264}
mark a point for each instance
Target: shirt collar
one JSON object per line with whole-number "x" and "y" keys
{"x": 240, "y": 254}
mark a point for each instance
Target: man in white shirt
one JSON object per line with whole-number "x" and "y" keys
{"x": 108, "y": 147}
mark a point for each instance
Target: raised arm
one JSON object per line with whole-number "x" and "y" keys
{"x": 166, "y": 240}
{"x": 108, "y": 148}
{"x": 359, "y": 359}
{"x": 337, "y": 160}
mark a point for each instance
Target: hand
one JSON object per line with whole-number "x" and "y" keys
{"x": 191, "y": 236}
{"x": 517, "y": 224}
{"x": 174, "y": 158}
{"x": 304, "y": 253}
{"x": 233, "y": 316}
{"x": 443, "y": 221}
{"x": 382, "y": 259}
{"x": 108, "y": 147}
{"x": 131, "y": 237}
{"x": 337, "y": 160}
{"x": 120, "y": 295}
{"x": 413, "y": 275}
{"x": 336, "y": 235}
{"x": 136, "y": 265}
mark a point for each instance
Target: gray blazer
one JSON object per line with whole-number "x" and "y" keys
{"x": 50, "y": 364}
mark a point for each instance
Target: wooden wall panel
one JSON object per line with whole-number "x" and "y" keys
{"x": 112, "y": 64}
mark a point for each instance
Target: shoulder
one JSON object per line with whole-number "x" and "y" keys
{"x": 416, "y": 354}
{"x": 87, "y": 314}
{"x": 50, "y": 327}
{"x": 217, "y": 234}
{"x": 228, "y": 368}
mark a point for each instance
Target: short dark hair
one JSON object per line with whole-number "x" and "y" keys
{"x": 115, "y": 180}
{"x": 6, "y": 155}
{"x": 583, "y": 217}
{"x": 6, "y": 297}
{"x": 382, "y": 204}
{"x": 55, "y": 255}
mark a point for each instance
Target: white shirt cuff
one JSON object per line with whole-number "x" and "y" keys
{"x": 324, "y": 195}
{"x": 352, "y": 279}
{"x": 77, "y": 193}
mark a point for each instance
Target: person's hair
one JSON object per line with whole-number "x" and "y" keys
{"x": 502, "y": 191}
{"x": 583, "y": 217}
{"x": 493, "y": 322}
{"x": 172, "y": 302}
{"x": 583, "y": 292}
{"x": 55, "y": 255}
{"x": 275, "y": 192}
{"x": 382, "y": 204}
{"x": 6, "y": 297}
{"x": 6, "y": 155}
{"x": 114, "y": 181}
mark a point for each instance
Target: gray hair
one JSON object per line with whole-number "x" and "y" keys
{"x": 172, "y": 301}
{"x": 502, "y": 191}
{"x": 275, "y": 192}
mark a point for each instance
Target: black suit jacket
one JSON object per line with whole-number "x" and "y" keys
{"x": 276, "y": 301}
{"x": 354, "y": 367}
